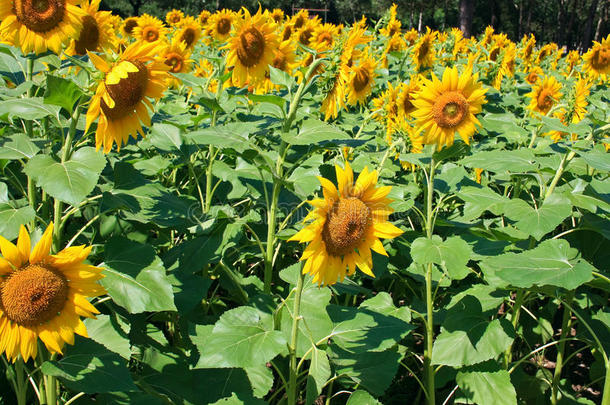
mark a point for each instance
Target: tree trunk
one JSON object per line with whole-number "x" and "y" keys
{"x": 569, "y": 38}
{"x": 603, "y": 17}
{"x": 494, "y": 17}
{"x": 421, "y": 14}
{"x": 559, "y": 38}
{"x": 520, "y": 25}
{"x": 586, "y": 39}
{"x": 466, "y": 14}
{"x": 528, "y": 25}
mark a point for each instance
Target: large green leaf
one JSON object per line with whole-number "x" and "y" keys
{"x": 480, "y": 199}
{"x": 62, "y": 92}
{"x": 27, "y": 108}
{"x": 538, "y": 221}
{"x": 516, "y": 161}
{"x": 70, "y": 181}
{"x": 91, "y": 368}
{"x": 553, "y": 262}
{"x": 318, "y": 374}
{"x": 12, "y": 218}
{"x": 242, "y": 337}
{"x": 361, "y": 397}
{"x": 135, "y": 277}
{"x": 166, "y": 137}
{"x": 145, "y": 201}
{"x": 318, "y": 132}
{"x": 112, "y": 332}
{"x": 487, "y": 384}
{"x": 17, "y": 146}
{"x": 597, "y": 159}
{"x": 233, "y": 136}
{"x": 505, "y": 125}
{"x": 451, "y": 255}
{"x": 469, "y": 337}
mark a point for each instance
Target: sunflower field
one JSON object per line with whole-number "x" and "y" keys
{"x": 246, "y": 207}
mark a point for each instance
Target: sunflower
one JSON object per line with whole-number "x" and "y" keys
{"x": 277, "y": 15}
{"x": 284, "y": 60}
{"x": 575, "y": 111}
{"x": 121, "y": 97}
{"x": 385, "y": 105}
{"x": 528, "y": 48}
{"x": 572, "y": 60}
{"x": 43, "y": 295}
{"x": 190, "y": 32}
{"x": 204, "y": 16}
{"x": 304, "y": 33}
{"x": 323, "y": 37}
{"x": 335, "y": 98}
{"x": 544, "y": 95}
{"x": 251, "y": 48}
{"x": 360, "y": 82}
{"x": 534, "y": 74}
{"x": 423, "y": 51}
{"x": 97, "y": 33}
{"x": 411, "y": 36}
{"x": 174, "y": 17}
{"x": 445, "y": 106}
{"x": 597, "y": 59}
{"x": 345, "y": 226}
{"x": 405, "y": 98}
{"x": 220, "y": 24}
{"x": 300, "y": 18}
{"x": 149, "y": 29}
{"x": 38, "y": 25}
{"x": 176, "y": 56}
{"x": 394, "y": 44}
{"x": 128, "y": 25}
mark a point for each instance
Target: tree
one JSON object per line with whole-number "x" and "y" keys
{"x": 466, "y": 14}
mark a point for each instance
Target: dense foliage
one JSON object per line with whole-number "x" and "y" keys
{"x": 247, "y": 207}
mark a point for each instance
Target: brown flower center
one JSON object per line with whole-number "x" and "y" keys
{"x": 223, "y": 26}
{"x": 325, "y": 37}
{"x": 601, "y": 58}
{"x": 287, "y": 33}
{"x": 305, "y": 36}
{"x": 34, "y": 295}
{"x": 532, "y": 77}
{"x": 277, "y": 17}
{"x": 423, "y": 50}
{"x": 494, "y": 54}
{"x": 203, "y": 18}
{"x": 188, "y": 37}
{"x": 279, "y": 62}
{"x": 130, "y": 24}
{"x": 407, "y": 105}
{"x": 545, "y": 100}
{"x": 346, "y": 225}
{"x": 175, "y": 18}
{"x": 251, "y": 47}
{"x": 150, "y": 34}
{"x": 127, "y": 93}
{"x": 89, "y": 36}
{"x": 298, "y": 23}
{"x": 450, "y": 109}
{"x": 361, "y": 79}
{"x": 39, "y": 15}
{"x": 175, "y": 61}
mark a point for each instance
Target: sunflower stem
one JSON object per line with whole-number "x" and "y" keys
{"x": 519, "y": 299}
{"x": 292, "y": 381}
{"x": 429, "y": 369}
{"x": 21, "y": 382}
{"x": 30, "y": 133}
{"x": 211, "y": 152}
{"x": 566, "y": 325}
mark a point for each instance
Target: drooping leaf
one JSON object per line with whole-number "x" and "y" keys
{"x": 451, "y": 255}
{"x": 135, "y": 277}
{"x": 17, "y": 146}
{"x": 62, "y": 92}
{"x": 12, "y": 218}
{"x": 487, "y": 383}
{"x": 538, "y": 221}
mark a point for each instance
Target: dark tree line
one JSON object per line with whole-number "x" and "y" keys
{"x": 570, "y": 23}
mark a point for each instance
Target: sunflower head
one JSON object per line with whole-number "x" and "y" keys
{"x": 251, "y": 48}
{"x": 43, "y": 295}
{"x": 39, "y": 25}
{"x": 128, "y": 25}
{"x": 149, "y": 29}
{"x": 597, "y": 59}
{"x": 544, "y": 95}
{"x": 361, "y": 79}
{"x": 190, "y": 32}
{"x": 423, "y": 51}
{"x": 345, "y": 226}
{"x": 220, "y": 25}
{"x": 174, "y": 17}
{"x": 444, "y": 107}
{"x": 97, "y": 33}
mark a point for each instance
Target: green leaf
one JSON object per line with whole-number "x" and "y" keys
{"x": 553, "y": 262}
{"x": 62, "y": 92}
{"x": 135, "y": 277}
{"x": 538, "y": 221}
{"x": 480, "y": 199}
{"x": 89, "y": 367}
{"x": 27, "y": 108}
{"x": 146, "y": 202}
{"x": 166, "y": 137}
{"x": 516, "y": 161}
{"x": 234, "y": 136}
{"x": 70, "y": 181}
{"x": 241, "y": 399}
{"x": 373, "y": 371}
{"x": 112, "y": 332}
{"x": 451, "y": 255}
{"x": 468, "y": 337}
{"x": 242, "y": 337}
{"x": 487, "y": 384}
{"x": 267, "y": 98}
{"x": 314, "y": 132}
{"x": 597, "y": 159}
{"x": 17, "y": 146}
{"x": 505, "y": 125}
{"x": 318, "y": 374}
{"x": 279, "y": 77}
{"x": 360, "y": 397}
{"x": 12, "y": 218}
{"x": 261, "y": 379}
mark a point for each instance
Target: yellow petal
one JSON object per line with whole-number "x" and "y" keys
{"x": 329, "y": 189}
{"x": 23, "y": 244}
{"x": 10, "y": 252}
{"x": 43, "y": 247}
{"x": 386, "y": 230}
